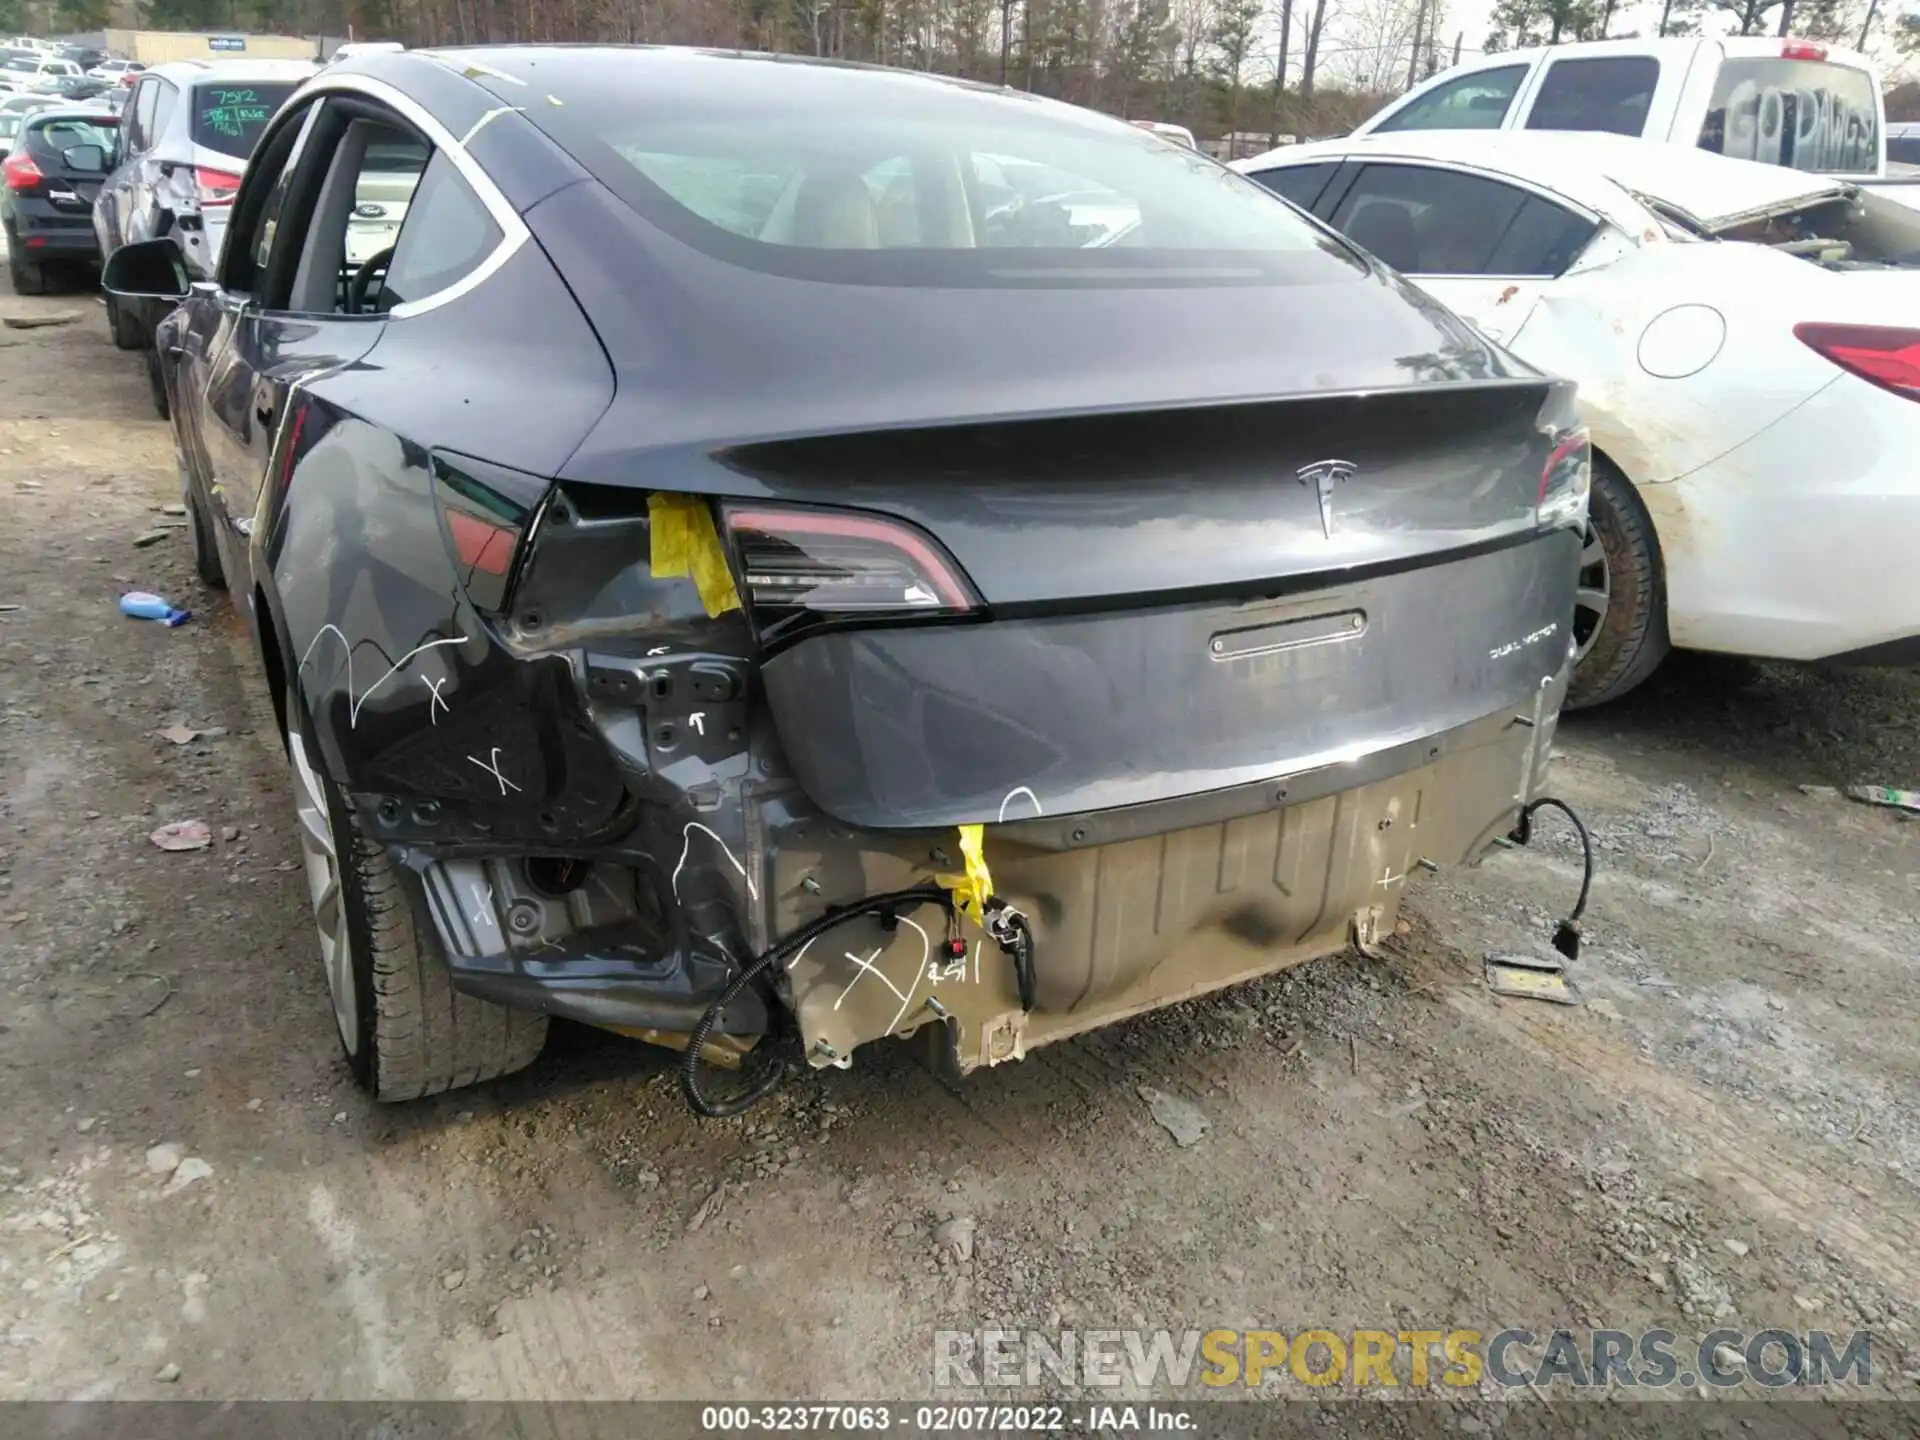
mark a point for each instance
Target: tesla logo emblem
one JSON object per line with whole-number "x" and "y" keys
{"x": 1323, "y": 475}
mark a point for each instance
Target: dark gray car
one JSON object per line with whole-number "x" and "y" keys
{"x": 730, "y": 574}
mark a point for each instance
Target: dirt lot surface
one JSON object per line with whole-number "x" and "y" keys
{"x": 1727, "y": 1132}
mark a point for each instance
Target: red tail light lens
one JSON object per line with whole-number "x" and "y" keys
{"x": 1565, "y": 479}
{"x": 484, "y": 526}
{"x": 216, "y": 187}
{"x": 800, "y": 562}
{"x": 20, "y": 171}
{"x": 1883, "y": 355}
{"x": 1802, "y": 50}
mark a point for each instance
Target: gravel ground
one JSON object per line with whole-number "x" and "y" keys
{"x": 194, "y": 1202}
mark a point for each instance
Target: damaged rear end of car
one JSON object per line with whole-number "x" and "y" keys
{"x": 990, "y": 640}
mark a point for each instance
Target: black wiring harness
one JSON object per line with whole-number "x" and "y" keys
{"x": 1566, "y": 935}
{"x": 780, "y": 1061}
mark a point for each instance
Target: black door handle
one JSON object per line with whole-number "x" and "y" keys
{"x": 264, "y": 414}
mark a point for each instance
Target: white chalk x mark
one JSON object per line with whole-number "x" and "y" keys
{"x": 492, "y": 766}
{"x": 355, "y": 702}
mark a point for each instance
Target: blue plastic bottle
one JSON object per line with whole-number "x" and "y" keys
{"x": 142, "y": 605}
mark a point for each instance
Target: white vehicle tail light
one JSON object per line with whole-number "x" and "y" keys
{"x": 1883, "y": 355}
{"x": 800, "y": 562}
{"x": 1565, "y": 479}
{"x": 214, "y": 187}
{"x": 1802, "y": 50}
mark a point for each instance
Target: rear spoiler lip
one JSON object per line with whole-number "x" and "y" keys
{"x": 723, "y": 467}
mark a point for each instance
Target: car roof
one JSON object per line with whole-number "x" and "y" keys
{"x": 92, "y": 113}
{"x": 1671, "y": 48}
{"x": 198, "y": 72}
{"x": 1593, "y": 170}
{"x": 707, "y": 73}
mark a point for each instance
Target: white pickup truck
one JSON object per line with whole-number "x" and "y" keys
{"x": 1779, "y": 101}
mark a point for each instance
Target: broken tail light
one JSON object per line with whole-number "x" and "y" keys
{"x": 1883, "y": 355}
{"x": 214, "y": 187}
{"x": 800, "y": 562}
{"x": 1565, "y": 479}
{"x": 486, "y": 512}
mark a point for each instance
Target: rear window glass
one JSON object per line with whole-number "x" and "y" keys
{"x": 1805, "y": 114}
{"x": 230, "y": 118}
{"x": 66, "y": 131}
{"x": 1611, "y": 93}
{"x": 847, "y": 178}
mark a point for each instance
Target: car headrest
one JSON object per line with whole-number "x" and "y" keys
{"x": 1386, "y": 231}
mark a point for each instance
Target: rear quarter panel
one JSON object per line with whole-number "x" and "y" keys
{"x": 508, "y": 373}
{"x": 1661, "y": 394}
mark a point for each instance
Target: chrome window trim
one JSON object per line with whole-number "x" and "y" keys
{"x": 513, "y": 230}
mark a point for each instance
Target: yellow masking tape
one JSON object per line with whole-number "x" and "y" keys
{"x": 970, "y": 891}
{"x": 686, "y": 544}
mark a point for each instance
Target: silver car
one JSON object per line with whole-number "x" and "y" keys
{"x": 186, "y": 134}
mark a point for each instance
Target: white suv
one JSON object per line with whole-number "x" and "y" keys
{"x": 44, "y": 73}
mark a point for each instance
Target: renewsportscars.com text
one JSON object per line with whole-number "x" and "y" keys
{"x": 1448, "y": 1357}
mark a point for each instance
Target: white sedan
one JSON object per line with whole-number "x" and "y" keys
{"x": 1746, "y": 339}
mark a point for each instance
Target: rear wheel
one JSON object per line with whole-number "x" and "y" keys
{"x": 1620, "y": 608}
{"x": 157, "y": 383}
{"x": 127, "y": 334}
{"x": 28, "y": 278}
{"x": 406, "y": 1031}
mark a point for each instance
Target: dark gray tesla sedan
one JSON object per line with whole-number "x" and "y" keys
{"x": 770, "y": 555}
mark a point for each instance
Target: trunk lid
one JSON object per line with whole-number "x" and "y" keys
{"x": 1123, "y": 508}
{"x": 1204, "y": 534}
{"x": 1718, "y": 194}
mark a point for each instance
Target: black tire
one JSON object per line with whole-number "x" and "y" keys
{"x": 206, "y": 554}
{"x": 416, "y": 1034}
{"x": 128, "y": 333}
{"x": 157, "y": 383}
{"x": 1632, "y": 636}
{"x": 28, "y": 278}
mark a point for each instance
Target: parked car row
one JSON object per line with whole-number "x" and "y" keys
{"x": 687, "y": 508}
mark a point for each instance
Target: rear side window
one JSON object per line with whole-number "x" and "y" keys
{"x": 1805, "y": 114}
{"x": 230, "y": 118}
{"x": 1611, "y": 92}
{"x": 446, "y": 234}
{"x": 1479, "y": 101}
{"x": 1425, "y": 221}
{"x": 140, "y": 136}
{"x": 165, "y": 98}
{"x": 1301, "y": 184}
